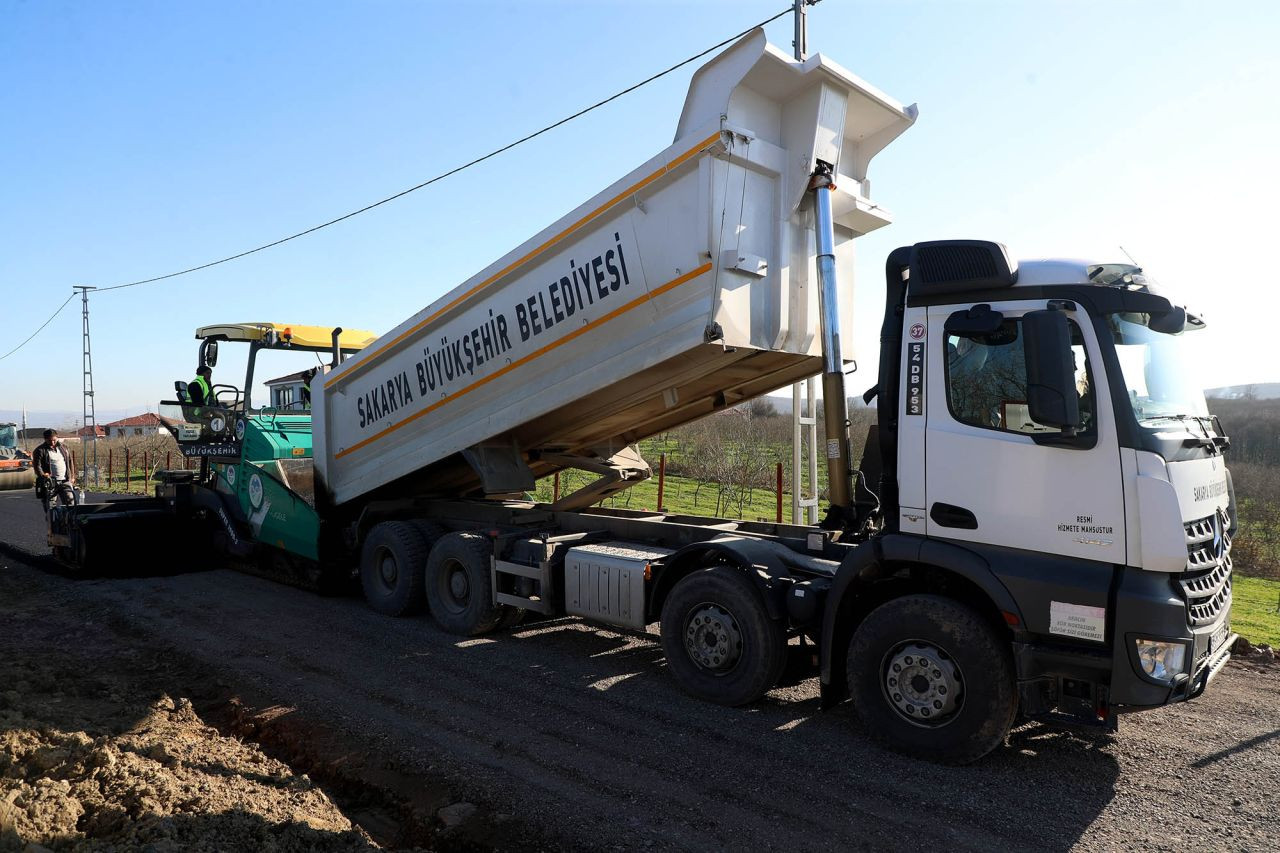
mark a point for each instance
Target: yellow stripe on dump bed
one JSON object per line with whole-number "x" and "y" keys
{"x": 582, "y": 330}
{"x": 376, "y": 355}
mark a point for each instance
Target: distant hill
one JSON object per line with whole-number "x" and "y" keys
{"x": 1258, "y": 391}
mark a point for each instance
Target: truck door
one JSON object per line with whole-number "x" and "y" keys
{"x": 986, "y": 478}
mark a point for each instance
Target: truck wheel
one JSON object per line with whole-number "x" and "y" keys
{"x": 391, "y": 568}
{"x": 718, "y": 638}
{"x": 460, "y": 586}
{"x": 430, "y": 532}
{"x": 932, "y": 679}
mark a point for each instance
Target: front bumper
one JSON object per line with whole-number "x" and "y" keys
{"x": 1148, "y": 605}
{"x": 1094, "y": 681}
{"x": 1210, "y": 669}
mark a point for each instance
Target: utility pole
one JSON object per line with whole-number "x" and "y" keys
{"x": 804, "y": 395}
{"x": 801, "y": 42}
{"x": 90, "y": 422}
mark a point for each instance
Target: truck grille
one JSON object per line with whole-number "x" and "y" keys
{"x": 1203, "y": 536}
{"x": 1206, "y": 586}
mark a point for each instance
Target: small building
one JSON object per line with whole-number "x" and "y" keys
{"x": 138, "y": 425}
{"x": 286, "y": 391}
{"x": 86, "y": 432}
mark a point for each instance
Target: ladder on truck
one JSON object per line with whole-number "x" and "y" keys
{"x": 804, "y": 459}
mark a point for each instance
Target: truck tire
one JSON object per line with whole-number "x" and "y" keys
{"x": 719, "y": 641}
{"x": 931, "y": 678}
{"x": 430, "y": 532}
{"x": 391, "y": 568}
{"x": 460, "y": 586}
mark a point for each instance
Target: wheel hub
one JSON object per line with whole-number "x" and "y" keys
{"x": 459, "y": 587}
{"x": 387, "y": 569}
{"x": 712, "y": 638}
{"x": 923, "y": 683}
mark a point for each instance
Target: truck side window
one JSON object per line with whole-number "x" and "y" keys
{"x": 987, "y": 380}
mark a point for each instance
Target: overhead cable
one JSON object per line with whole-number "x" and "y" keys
{"x": 454, "y": 170}
{"x": 417, "y": 187}
{"x": 39, "y": 330}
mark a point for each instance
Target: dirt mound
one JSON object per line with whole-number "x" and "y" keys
{"x": 156, "y": 777}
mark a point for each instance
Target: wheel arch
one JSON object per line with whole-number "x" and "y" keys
{"x": 759, "y": 560}
{"x": 895, "y": 565}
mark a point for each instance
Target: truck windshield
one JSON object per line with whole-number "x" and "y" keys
{"x": 1159, "y": 378}
{"x": 8, "y": 436}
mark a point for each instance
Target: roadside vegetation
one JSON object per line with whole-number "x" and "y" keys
{"x": 725, "y": 465}
{"x": 1254, "y": 459}
{"x": 1255, "y": 610}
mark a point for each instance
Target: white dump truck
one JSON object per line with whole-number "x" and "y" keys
{"x": 1040, "y": 525}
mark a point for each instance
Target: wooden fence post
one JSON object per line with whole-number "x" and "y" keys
{"x": 662, "y": 480}
{"x": 779, "y": 490}
{"x": 128, "y": 472}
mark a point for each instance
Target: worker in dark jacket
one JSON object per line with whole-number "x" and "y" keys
{"x": 199, "y": 389}
{"x": 307, "y": 376}
{"x": 55, "y": 472}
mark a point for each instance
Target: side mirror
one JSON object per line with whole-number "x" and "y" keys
{"x": 1051, "y": 381}
{"x": 1170, "y": 322}
{"x": 209, "y": 353}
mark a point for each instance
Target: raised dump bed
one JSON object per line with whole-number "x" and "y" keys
{"x": 686, "y": 286}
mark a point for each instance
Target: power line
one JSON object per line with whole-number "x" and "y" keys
{"x": 41, "y": 329}
{"x": 417, "y": 187}
{"x": 452, "y": 171}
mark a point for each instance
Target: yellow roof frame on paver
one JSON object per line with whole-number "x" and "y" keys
{"x": 288, "y": 336}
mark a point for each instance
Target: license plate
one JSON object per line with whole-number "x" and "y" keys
{"x": 1219, "y": 637}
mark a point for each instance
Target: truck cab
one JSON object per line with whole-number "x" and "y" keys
{"x": 1042, "y": 422}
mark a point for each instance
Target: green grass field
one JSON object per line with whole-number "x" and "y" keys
{"x": 1253, "y": 611}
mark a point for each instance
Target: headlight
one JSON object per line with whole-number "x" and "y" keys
{"x": 1162, "y": 661}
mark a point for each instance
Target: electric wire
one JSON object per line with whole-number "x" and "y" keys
{"x": 41, "y": 329}
{"x": 416, "y": 187}
{"x": 454, "y": 170}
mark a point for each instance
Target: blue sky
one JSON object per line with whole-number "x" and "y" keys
{"x": 145, "y": 137}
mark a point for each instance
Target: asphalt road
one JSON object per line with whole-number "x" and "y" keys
{"x": 22, "y": 524}
{"x": 579, "y": 733}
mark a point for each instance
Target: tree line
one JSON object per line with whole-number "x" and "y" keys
{"x": 1253, "y": 426}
